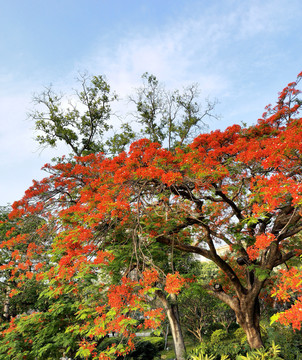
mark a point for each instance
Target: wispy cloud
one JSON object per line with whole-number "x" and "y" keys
{"x": 239, "y": 52}
{"x": 208, "y": 47}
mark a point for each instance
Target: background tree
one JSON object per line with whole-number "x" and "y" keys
{"x": 85, "y": 124}
{"x": 201, "y": 313}
{"x": 171, "y": 118}
{"x": 81, "y": 124}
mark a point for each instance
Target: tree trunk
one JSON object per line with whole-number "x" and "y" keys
{"x": 175, "y": 326}
{"x": 253, "y": 336}
{"x": 248, "y": 317}
{"x": 6, "y": 314}
{"x": 179, "y": 345}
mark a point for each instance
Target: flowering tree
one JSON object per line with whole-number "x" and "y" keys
{"x": 19, "y": 286}
{"x": 171, "y": 117}
{"x": 241, "y": 187}
{"x": 290, "y": 286}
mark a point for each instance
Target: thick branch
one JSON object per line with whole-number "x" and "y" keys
{"x": 186, "y": 193}
{"x": 290, "y": 233}
{"x": 284, "y": 258}
{"x": 209, "y": 254}
{"x": 221, "y": 295}
{"x": 228, "y": 201}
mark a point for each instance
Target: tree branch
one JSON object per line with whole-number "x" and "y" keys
{"x": 228, "y": 201}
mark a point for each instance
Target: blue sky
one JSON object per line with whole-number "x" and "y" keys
{"x": 240, "y": 52}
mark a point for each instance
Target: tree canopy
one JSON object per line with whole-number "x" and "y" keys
{"x": 84, "y": 120}
{"x": 111, "y": 216}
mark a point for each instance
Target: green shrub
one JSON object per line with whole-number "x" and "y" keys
{"x": 146, "y": 348}
{"x": 219, "y": 335}
{"x": 158, "y": 342}
{"x": 221, "y": 346}
{"x": 228, "y": 348}
{"x": 143, "y": 350}
{"x": 240, "y": 335}
{"x": 290, "y": 341}
{"x": 214, "y": 326}
{"x": 200, "y": 353}
{"x": 271, "y": 353}
{"x": 235, "y": 346}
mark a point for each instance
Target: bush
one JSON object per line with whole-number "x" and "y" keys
{"x": 158, "y": 342}
{"x": 221, "y": 346}
{"x": 270, "y": 353}
{"x": 146, "y": 348}
{"x": 290, "y": 341}
{"x": 219, "y": 335}
{"x": 280, "y": 343}
{"x": 240, "y": 335}
{"x": 107, "y": 342}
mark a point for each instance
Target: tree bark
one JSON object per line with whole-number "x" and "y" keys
{"x": 6, "y": 314}
{"x": 248, "y": 317}
{"x": 175, "y": 326}
{"x": 179, "y": 345}
{"x": 247, "y": 310}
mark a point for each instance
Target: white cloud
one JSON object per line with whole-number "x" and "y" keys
{"x": 198, "y": 48}
{"x": 231, "y": 48}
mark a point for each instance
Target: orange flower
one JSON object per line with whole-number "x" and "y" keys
{"x": 174, "y": 283}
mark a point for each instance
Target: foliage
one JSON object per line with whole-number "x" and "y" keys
{"x": 20, "y": 286}
{"x": 147, "y": 347}
{"x": 200, "y": 353}
{"x": 280, "y": 343}
{"x": 172, "y": 118}
{"x": 239, "y": 353}
{"x": 201, "y": 314}
{"x": 218, "y": 336}
{"x": 85, "y": 124}
{"x": 241, "y": 186}
{"x": 222, "y": 343}
{"x": 201, "y": 356}
{"x": 272, "y": 353}
{"x": 199, "y": 311}
{"x": 38, "y": 336}
{"x": 290, "y": 287}
{"x": 287, "y": 339}
{"x": 82, "y": 130}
